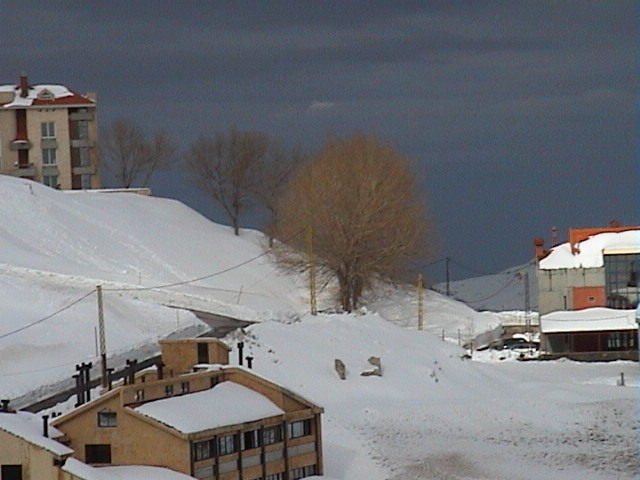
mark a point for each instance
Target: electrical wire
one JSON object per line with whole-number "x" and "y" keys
{"x": 24, "y": 327}
{"x": 198, "y": 279}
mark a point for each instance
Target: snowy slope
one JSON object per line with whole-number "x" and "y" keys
{"x": 434, "y": 415}
{"x": 56, "y": 247}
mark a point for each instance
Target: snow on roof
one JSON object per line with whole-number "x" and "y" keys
{"x": 592, "y": 250}
{"x": 28, "y": 426}
{"x": 128, "y": 472}
{"x": 588, "y": 320}
{"x": 41, "y": 94}
{"x": 232, "y": 404}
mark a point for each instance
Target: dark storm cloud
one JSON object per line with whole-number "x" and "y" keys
{"x": 522, "y": 114}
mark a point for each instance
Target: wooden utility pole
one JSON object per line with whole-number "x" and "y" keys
{"x": 312, "y": 272}
{"x": 420, "y": 294}
{"x": 103, "y": 347}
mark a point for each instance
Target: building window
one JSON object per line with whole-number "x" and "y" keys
{"x": 202, "y": 450}
{"x": 168, "y": 390}
{"x": 271, "y": 435}
{"x": 621, "y": 277}
{"x": 97, "y": 453}
{"x": 11, "y": 472}
{"x": 203, "y": 352}
{"x": 251, "y": 439}
{"x": 50, "y": 181}
{"x": 107, "y": 418}
{"x": 48, "y": 129}
{"x": 300, "y": 429}
{"x": 275, "y": 476}
{"x": 139, "y": 395}
{"x": 184, "y": 387}
{"x": 303, "y": 472}
{"x": 49, "y": 156}
{"x": 227, "y": 444}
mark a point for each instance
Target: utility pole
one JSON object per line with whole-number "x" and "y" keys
{"x": 103, "y": 347}
{"x": 420, "y": 294}
{"x": 312, "y": 272}
{"x": 447, "y": 260}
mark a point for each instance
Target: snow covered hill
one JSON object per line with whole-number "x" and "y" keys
{"x": 433, "y": 415}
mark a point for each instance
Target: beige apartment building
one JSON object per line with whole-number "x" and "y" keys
{"x": 201, "y": 417}
{"x": 49, "y": 134}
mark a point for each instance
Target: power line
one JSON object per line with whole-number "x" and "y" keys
{"x": 47, "y": 317}
{"x": 194, "y": 280}
{"x": 492, "y": 295}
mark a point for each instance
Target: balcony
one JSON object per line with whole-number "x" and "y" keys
{"x": 25, "y": 171}
{"x": 20, "y": 145}
{"x": 75, "y": 116}
{"x": 88, "y": 170}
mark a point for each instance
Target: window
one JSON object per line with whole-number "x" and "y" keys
{"x": 202, "y": 450}
{"x": 49, "y": 156}
{"x": 300, "y": 429}
{"x": 303, "y": 472}
{"x": 107, "y": 418}
{"x": 50, "y": 181}
{"x": 168, "y": 390}
{"x": 227, "y": 444}
{"x": 250, "y": 439}
{"x": 139, "y": 396}
{"x": 11, "y": 472}
{"x": 97, "y": 453}
{"x": 621, "y": 277}
{"x": 203, "y": 353}
{"x": 271, "y": 435}
{"x": 48, "y": 130}
{"x": 275, "y": 476}
{"x": 184, "y": 387}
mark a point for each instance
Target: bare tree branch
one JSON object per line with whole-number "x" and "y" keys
{"x": 362, "y": 200}
{"x": 130, "y": 156}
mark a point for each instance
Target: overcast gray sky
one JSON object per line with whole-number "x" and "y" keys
{"x": 520, "y": 114}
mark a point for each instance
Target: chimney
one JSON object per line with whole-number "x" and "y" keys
{"x": 45, "y": 425}
{"x": 539, "y": 248}
{"x": 24, "y": 85}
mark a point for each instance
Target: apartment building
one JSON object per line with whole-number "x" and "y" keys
{"x": 196, "y": 415}
{"x": 49, "y": 134}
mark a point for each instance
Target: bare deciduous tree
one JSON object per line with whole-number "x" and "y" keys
{"x": 131, "y": 156}
{"x": 225, "y": 167}
{"x": 274, "y": 171}
{"x": 361, "y": 200}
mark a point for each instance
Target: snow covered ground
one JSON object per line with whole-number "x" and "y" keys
{"x": 433, "y": 415}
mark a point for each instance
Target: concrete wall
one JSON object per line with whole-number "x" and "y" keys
{"x": 557, "y": 288}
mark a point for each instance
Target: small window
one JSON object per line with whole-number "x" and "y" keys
{"x": 300, "y": 429}
{"x": 184, "y": 387}
{"x": 271, "y": 435}
{"x": 107, "y": 418}
{"x": 50, "y": 181}
{"x": 46, "y": 95}
{"x": 139, "y": 395}
{"x": 168, "y": 390}
{"x": 203, "y": 352}
{"x": 251, "y": 439}
{"x": 11, "y": 472}
{"x": 303, "y": 472}
{"x": 97, "y": 453}
{"x": 48, "y": 130}
{"x": 49, "y": 156}
{"x": 227, "y": 444}
{"x": 202, "y": 450}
